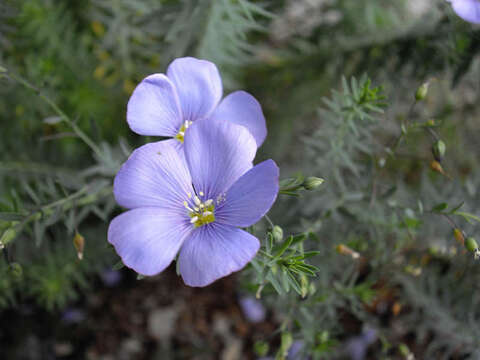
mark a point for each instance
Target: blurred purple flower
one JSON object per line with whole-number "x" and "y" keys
{"x": 253, "y": 309}
{"x": 295, "y": 350}
{"x": 193, "y": 204}
{"x": 468, "y": 10}
{"x": 73, "y": 316}
{"x": 111, "y": 277}
{"x": 166, "y": 105}
{"x": 357, "y": 347}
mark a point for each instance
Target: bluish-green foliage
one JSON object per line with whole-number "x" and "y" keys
{"x": 374, "y": 243}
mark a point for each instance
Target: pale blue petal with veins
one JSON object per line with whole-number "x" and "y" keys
{"x": 167, "y": 105}
{"x": 193, "y": 204}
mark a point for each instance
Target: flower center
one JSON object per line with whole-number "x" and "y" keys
{"x": 202, "y": 212}
{"x": 181, "y": 133}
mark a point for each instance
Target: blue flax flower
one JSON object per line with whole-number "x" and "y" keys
{"x": 166, "y": 105}
{"x": 468, "y": 10}
{"x": 193, "y": 204}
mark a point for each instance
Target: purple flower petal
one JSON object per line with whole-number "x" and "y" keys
{"x": 217, "y": 154}
{"x": 147, "y": 239}
{"x": 243, "y": 109}
{"x": 468, "y": 10}
{"x": 214, "y": 251}
{"x": 198, "y": 84}
{"x": 154, "y": 175}
{"x": 154, "y": 107}
{"x": 251, "y": 196}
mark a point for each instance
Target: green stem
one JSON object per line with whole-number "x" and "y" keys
{"x": 78, "y": 199}
{"x": 59, "y": 112}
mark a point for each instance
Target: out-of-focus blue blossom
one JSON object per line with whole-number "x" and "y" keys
{"x": 73, "y": 316}
{"x": 111, "y": 277}
{"x": 194, "y": 204}
{"x": 294, "y": 353}
{"x": 166, "y": 105}
{"x": 357, "y": 346}
{"x": 253, "y": 309}
{"x": 468, "y": 10}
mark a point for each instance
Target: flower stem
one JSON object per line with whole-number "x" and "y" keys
{"x": 79, "y": 132}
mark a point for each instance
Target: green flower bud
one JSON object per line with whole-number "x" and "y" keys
{"x": 438, "y": 150}
{"x": 312, "y": 182}
{"x": 286, "y": 343}
{"x": 471, "y": 244}
{"x": 8, "y": 235}
{"x": 15, "y": 270}
{"x": 261, "y": 348}
{"x": 422, "y": 91}
{"x": 277, "y": 233}
{"x": 2, "y": 69}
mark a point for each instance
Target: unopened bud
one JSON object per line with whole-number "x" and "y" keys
{"x": 8, "y": 235}
{"x": 286, "y": 343}
{"x": 79, "y": 243}
{"x": 261, "y": 348}
{"x": 304, "y": 285}
{"x": 345, "y": 250}
{"x": 471, "y": 244}
{"x": 312, "y": 182}
{"x": 277, "y": 233}
{"x": 430, "y": 123}
{"x": 422, "y": 91}
{"x": 438, "y": 150}
{"x": 458, "y": 234}
{"x": 2, "y": 69}
{"x": 2, "y": 246}
{"x": 435, "y": 166}
{"x": 15, "y": 270}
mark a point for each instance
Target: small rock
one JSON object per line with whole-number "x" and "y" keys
{"x": 161, "y": 322}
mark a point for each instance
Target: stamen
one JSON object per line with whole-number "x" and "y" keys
{"x": 202, "y": 212}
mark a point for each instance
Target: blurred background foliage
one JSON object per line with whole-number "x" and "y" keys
{"x": 388, "y": 263}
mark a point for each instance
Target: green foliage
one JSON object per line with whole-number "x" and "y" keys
{"x": 401, "y": 171}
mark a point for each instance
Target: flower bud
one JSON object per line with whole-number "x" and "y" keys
{"x": 277, "y": 233}
{"x": 8, "y": 235}
{"x": 261, "y": 348}
{"x": 286, "y": 343}
{"x": 438, "y": 150}
{"x": 458, "y": 234}
{"x": 2, "y": 69}
{"x": 422, "y": 91}
{"x": 435, "y": 166}
{"x": 430, "y": 123}
{"x": 471, "y": 244}
{"x": 312, "y": 182}
{"x": 345, "y": 250}
{"x": 79, "y": 243}
{"x": 2, "y": 246}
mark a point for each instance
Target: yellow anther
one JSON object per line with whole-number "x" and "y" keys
{"x": 194, "y": 219}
